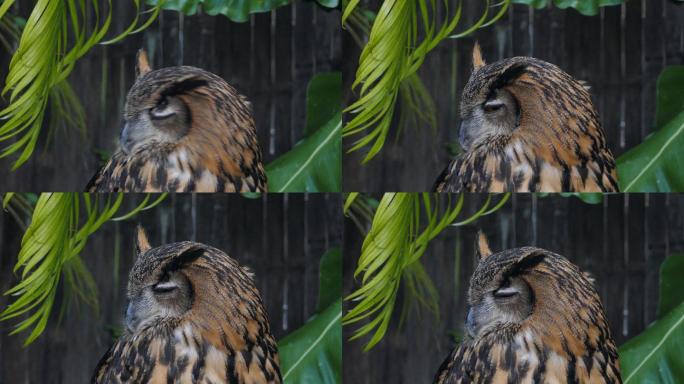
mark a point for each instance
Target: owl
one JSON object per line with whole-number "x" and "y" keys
{"x": 528, "y": 126}
{"x": 194, "y": 316}
{"x": 184, "y": 130}
{"x": 533, "y": 317}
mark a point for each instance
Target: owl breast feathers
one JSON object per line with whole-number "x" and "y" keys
{"x": 194, "y": 316}
{"x": 533, "y": 318}
{"x": 185, "y": 129}
{"x": 528, "y": 126}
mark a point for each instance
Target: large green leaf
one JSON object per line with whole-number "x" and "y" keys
{"x": 655, "y": 356}
{"x": 670, "y": 94}
{"x": 314, "y": 165}
{"x": 585, "y": 7}
{"x": 313, "y": 353}
{"x": 235, "y": 10}
{"x": 330, "y": 283}
{"x": 323, "y": 100}
{"x": 657, "y": 164}
{"x": 671, "y": 284}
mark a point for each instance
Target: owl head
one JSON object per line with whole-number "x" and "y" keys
{"x": 190, "y": 284}
{"x": 531, "y": 100}
{"x": 191, "y": 109}
{"x": 534, "y": 291}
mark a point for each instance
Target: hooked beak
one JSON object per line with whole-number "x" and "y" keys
{"x": 470, "y": 324}
{"x": 131, "y": 319}
{"x": 464, "y": 135}
{"x": 125, "y": 138}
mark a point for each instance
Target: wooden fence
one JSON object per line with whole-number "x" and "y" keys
{"x": 270, "y": 59}
{"x": 621, "y": 242}
{"x": 619, "y": 52}
{"x": 280, "y": 237}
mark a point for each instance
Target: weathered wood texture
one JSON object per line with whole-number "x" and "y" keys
{"x": 280, "y": 237}
{"x": 621, "y": 242}
{"x": 270, "y": 59}
{"x": 619, "y": 52}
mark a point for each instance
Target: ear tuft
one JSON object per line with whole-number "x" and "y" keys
{"x": 482, "y": 245}
{"x": 142, "y": 65}
{"x": 478, "y": 61}
{"x": 142, "y": 244}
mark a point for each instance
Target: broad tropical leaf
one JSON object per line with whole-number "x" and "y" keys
{"x": 585, "y": 7}
{"x": 657, "y": 164}
{"x": 313, "y": 353}
{"x": 235, "y": 10}
{"x": 655, "y": 356}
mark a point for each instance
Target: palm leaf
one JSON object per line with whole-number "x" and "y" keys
{"x": 56, "y": 35}
{"x": 391, "y": 252}
{"x": 389, "y": 61}
{"x": 50, "y": 252}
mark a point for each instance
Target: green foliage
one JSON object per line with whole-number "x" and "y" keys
{"x": 656, "y": 164}
{"x": 330, "y": 285}
{"x": 585, "y": 7}
{"x": 655, "y": 356}
{"x": 391, "y": 254}
{"x": 671, "y": 284}
{"x": 50, "y": 251}
{"x": 313, "y": 353}
{"x": 315, "y": 163}
{"x": 56, "y": 35}
{"x": 395, "y": 50}
{"x": 235, "y": 10}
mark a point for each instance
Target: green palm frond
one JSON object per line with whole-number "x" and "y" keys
{"x": 402, "y": 228}
{"x": 395, "y": 50}
{"x": 50, "y": 251}
{"x": 56, "y": 35}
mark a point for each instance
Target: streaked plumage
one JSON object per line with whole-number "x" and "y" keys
{"x": 185, "y": 129}
{"x": 534, "y": 317}
{"x": 194, "y": 316}
{"x": 526, "y": 126}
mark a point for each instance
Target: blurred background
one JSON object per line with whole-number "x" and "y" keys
{"x": 280, "y": 237}
{"x": 622, "y": 241}
{"x": 620, "y": 52}
{"x": 270, "y": 58}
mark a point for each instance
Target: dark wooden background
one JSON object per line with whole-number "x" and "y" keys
{"x": 621, "y": 242}
{"x": 619, "y": 52}
{"x": 270, "y": 59}
{"x": 280, "y": 237}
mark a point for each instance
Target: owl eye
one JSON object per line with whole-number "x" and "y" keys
{"x": 162, "y": 110}
{"x": 165, "y": 287}
{"x": 492, "y": 106}
{"x": 505, "y": 291}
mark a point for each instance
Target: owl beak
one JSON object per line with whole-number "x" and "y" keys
{"x": 470, "y": 323}
{"x": 131, "y": 319}
{"x": 125, "y": 138}
{"x": 463, "y": 137}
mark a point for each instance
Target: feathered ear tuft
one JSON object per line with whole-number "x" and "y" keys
{"x": 483, "y": 249}
{"x": 142, "y": 244}
{"x": 478, "y": 61}
{"x": 142, "y": 65}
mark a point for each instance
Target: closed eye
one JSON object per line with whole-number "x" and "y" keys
{"x": 504, "y": 292}
{"x": 492, "y": 106}
{"x": 162, "y": 110}
{"x": 165, "y": 287}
